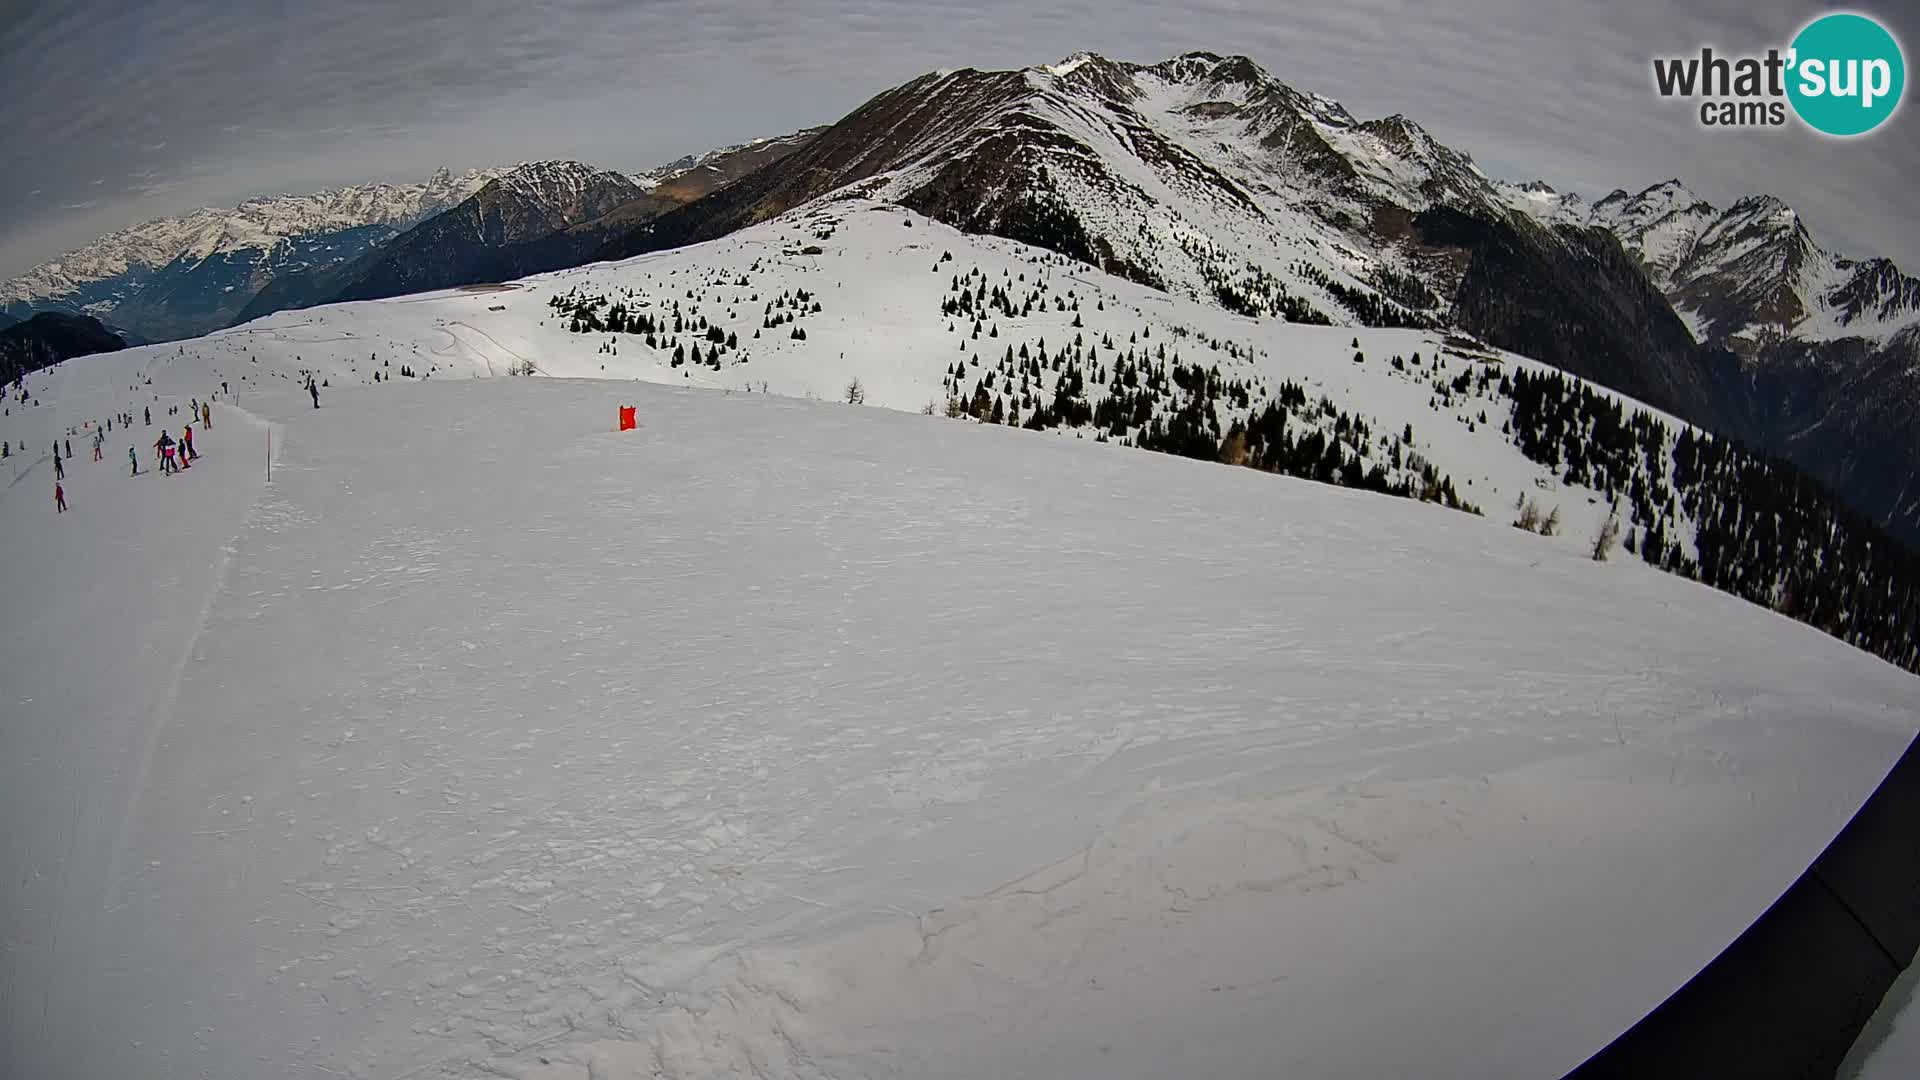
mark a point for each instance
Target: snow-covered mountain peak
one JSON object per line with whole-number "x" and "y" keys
{"x": 1068, "y": 66}
{"x": 1399, "y": 137}
{"x": 1544, "y": 203}
{"x": 544, "y": 179}
{"x": 1622, "y": 211}
{"x": 1220, "y": 75}
{"x": 1743, "y": 275}
{"x": 1768, "y": 213}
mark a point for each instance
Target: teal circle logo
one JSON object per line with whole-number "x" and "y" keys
{"x": 1846, "y": 75}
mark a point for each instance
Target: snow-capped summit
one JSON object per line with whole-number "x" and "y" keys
{"x": 552, "y": 179}
{"x": 1202, "y": 174}
{"x": 1541, "y": 201}
{"x": 547, "y": 195}
{"x": 474, "y": 241}
{"x": 1745, "y": 275}
{"x": 1070, "y": 65}
{"x": 1622, "y": 211}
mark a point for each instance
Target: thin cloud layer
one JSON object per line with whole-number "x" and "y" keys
{"x": 121, "y": 111}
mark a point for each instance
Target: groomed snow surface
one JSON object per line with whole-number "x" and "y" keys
{"x": 794, "y": 739}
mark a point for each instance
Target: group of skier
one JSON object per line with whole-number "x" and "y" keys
{"x": 175, "y": 455}
{"x": 171, "y": 454}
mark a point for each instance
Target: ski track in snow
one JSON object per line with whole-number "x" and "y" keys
{"x": 785, "y": 739}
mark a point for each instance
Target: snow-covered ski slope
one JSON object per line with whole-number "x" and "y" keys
{"x": 790, "y": 738}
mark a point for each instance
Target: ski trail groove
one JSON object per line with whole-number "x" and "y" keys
{"x": 162, "y": 713}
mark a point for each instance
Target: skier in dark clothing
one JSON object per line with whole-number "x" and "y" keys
{"x": 134, "y": 460}
{"x": 69, "y": 447}
{"x": 148, "y": 413}
{"x": 314, "y": 389}
{"x": 59, "y": 470}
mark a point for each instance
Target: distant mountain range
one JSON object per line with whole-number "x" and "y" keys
{"x": 462, "y": 244}
{"x": 533, "y": 217}
{"x": 178, "y": 277}
{"x": 1201, "y": 176}
{"x": 1747, "y": 276}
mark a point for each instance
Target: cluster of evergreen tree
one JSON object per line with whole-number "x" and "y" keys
{"x": 1145, "y": 395}
{"x": 1039, "y": 217}
{"x": 678, "y": 328}
{"x": 788, "y": 308}
{"x": 1762, "y": 530}
{"x": 1371, "y": 308}
{"x": 1405, "y": 289}
{"x": 972, "y": 296}
{"x": 382, "y": 373}
{"x": 1590, "y": 439}
{"x": 1345, "y": 453}
{"x": 1249, "y": 289}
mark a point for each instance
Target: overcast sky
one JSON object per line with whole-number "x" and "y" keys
{"x": 119, "y": 111}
